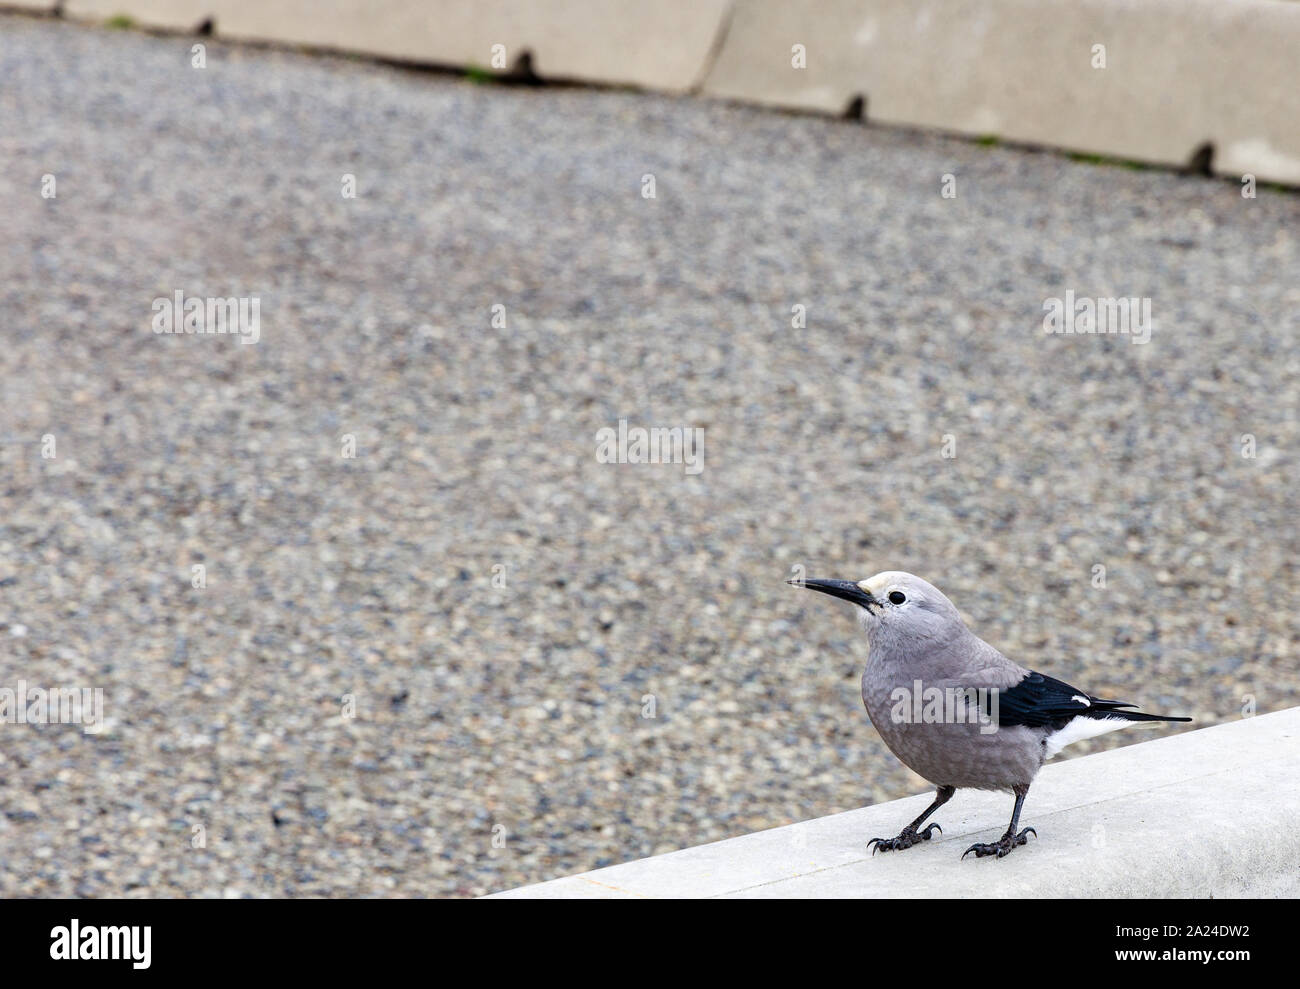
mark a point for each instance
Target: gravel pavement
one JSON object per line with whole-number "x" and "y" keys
{"x": 353, "y": 705}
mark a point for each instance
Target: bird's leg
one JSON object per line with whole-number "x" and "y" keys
{"x": 909, "y": 836}
{"x": 1011, "y": 839}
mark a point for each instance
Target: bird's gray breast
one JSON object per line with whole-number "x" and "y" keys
{"x": 928, "y": 715}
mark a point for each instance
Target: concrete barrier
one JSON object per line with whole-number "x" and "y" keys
{"x": 1204, "y": 813}
{"x": 1177, "y": 75}
{"x": 664, "y": 47}
{"x": 171, "y": 15}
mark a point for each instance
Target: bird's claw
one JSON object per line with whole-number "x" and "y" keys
{"x": 1002, "y": 846}
{"x": 906, "y": 839}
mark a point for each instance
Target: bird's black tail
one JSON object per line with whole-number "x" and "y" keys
{"x": 1129, "y": 715}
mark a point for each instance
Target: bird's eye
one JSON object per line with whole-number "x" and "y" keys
{"x": 897, "y": 597}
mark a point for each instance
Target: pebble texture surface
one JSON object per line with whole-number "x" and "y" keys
{"x": 352, "y": 705}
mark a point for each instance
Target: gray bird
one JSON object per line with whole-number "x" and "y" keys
{"x": 956, "y": 710}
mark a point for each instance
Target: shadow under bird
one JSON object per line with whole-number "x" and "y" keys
{"x": 954, "y": 709}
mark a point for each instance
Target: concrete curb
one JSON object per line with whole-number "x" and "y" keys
{"x": 614, "y": 42}
{"x": 1207, "y": 813}
{"x": 1181, "y": 76}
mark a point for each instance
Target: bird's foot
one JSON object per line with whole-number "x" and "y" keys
{"x": 906, "y": 839}
{"x": 1002, "y": 846}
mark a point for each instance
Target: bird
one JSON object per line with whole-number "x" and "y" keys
{"x": 954, "y": 709}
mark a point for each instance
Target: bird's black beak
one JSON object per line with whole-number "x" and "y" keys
{"x": 846, "y": 589}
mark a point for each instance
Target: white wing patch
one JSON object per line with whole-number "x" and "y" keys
{"x": 1082, "y": 700}
{"x": 1080, "y": 728}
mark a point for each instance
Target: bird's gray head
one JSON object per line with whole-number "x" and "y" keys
{"x": 896, "y": 607}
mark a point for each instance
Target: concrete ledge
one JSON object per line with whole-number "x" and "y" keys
{"x": 616, "y": 41}
{"x": 1209, "y": 813}
{"x": 171, "y": 15}
{"x": 1179, "y": 74}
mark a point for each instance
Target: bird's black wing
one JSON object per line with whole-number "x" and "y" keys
{"x": 1040, "y": 701}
